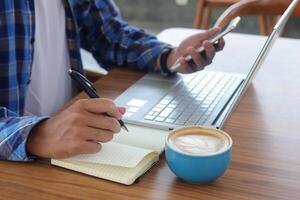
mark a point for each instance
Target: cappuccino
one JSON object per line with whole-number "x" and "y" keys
{"x": 199, "y": 142}
{"x": 198, "y": 154}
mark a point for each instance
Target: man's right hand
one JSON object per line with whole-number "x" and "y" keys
{"x": 77, "y": 130}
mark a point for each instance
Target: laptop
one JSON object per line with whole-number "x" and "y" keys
{"x": 203, "y": 98}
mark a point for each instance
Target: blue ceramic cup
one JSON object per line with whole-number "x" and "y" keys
{"x": 197, "y": 154}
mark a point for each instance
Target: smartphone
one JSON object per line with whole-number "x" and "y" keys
{"x": 214, "y": 40}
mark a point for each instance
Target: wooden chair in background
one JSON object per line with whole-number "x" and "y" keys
{"x": 267, "y": 11}
{"x": 204, "y": 10}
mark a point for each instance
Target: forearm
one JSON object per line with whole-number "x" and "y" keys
{"x": 112, "y": 41}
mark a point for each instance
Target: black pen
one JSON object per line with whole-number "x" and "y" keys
{"x": 88, "y": 88}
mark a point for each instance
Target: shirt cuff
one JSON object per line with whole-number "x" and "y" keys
{"x": 14, "y": 146}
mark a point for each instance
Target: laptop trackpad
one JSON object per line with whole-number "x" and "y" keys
{"x": 142, "y": 96}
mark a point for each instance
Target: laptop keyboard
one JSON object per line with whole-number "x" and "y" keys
{"x": 193, "y": 100}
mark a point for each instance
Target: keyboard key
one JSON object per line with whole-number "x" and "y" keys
{"x": 156, "y": 109}
{"x": 166, "y": 112}
{"x": 210, "y": 98}
{"x": 170, "y": 121}
{"x": 214, "y": 104}
{"x": 202, "y": 111}
{"x": 164, "y": 101}
{"x": 188, "y": 112}
{"x": 168, "y": 97}
{"x": 178, "y": 98}
{"x": 206, "y": 115}
{"x": 206, "y": 101}
{"x": 150, "y": 113}
{"x": 160, "y": 105}
{"x": 155, "y": 114}
{"x": 159, "y": 119}
{"x": 204, "y": 105}
{"x": 196, "y": 102}
{"x": 197, "y": 113}
{"x": 191, "y": 121}
{"x": 174, "y": 102}
{"x": 210, "y": 109}
{"x": 192, "y": 106}
{"x": 179, "y": 122}
{"x": 174, "y": 115}
{"x": 171, "y": 106}
{"x": 201, "y": 121}
{"x": 183, "y": 118}
{"x": 183, "y": 105}
{"x": 149, "y": 117}
{"x": 179, "y": 110}
{"x": 201, "y": 96}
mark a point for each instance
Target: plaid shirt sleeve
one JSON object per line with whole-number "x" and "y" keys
{"x": 14, "y": 132}
{"x": 111, "y": 40}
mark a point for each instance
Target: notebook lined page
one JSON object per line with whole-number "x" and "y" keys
{"x": 114, "y": 154}
{"x": 143, "y": 137}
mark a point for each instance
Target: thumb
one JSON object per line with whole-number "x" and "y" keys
{"x": 209, "y": 33}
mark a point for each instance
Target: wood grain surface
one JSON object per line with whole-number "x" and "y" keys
{"x": 265, "y": 161}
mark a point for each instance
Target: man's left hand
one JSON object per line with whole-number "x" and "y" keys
{"x": 190, "y": 46}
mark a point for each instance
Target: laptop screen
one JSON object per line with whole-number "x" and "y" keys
{"x": 277, "y": 30}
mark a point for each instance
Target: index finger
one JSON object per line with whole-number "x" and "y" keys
{"x": 100, "y": 106}
{"x": 207, "y": 34}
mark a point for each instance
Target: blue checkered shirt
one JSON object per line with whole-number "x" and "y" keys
{"x": 94, "y": 25}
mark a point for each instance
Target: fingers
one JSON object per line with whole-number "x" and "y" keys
{"x": 207, "y": 34}
{"x": 186, "y": 67}
{"x": 210, "y": 51}
{"x": 122, "y": 110}
{"x": 100, "y": 121}
{"x": 96, "y": 135}
{"x": 197, "y": 59}
{"x": 221, "y": 44}
{"x": 87, "y": 147}
{"x": 213, "y": 31}
{"x": 100, "y": 106}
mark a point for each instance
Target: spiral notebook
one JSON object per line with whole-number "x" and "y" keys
{"x": 128, "y": 156}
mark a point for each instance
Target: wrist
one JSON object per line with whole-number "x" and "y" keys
{"x": 34, "y": 144}
{"x": 165, "y": 60}
{"x": 170, "y": 60}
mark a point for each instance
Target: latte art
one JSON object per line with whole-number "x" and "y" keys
{"x": 198, "y": 144}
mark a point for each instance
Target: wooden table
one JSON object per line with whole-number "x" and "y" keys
{"x": 265, "y": 161}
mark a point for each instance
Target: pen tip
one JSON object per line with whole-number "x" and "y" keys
{"x": 125, "y": 128}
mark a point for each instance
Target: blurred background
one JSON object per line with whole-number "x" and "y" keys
{"x": 156, "y": 15}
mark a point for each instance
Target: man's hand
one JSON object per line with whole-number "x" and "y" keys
{"x": 189, "y": 46}
{"x": 76, "y": 130}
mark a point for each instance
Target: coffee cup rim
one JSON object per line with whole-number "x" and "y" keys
{"x": 203, "y": 128}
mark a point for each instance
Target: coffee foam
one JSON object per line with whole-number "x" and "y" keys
{"x": 199, "y": 141}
